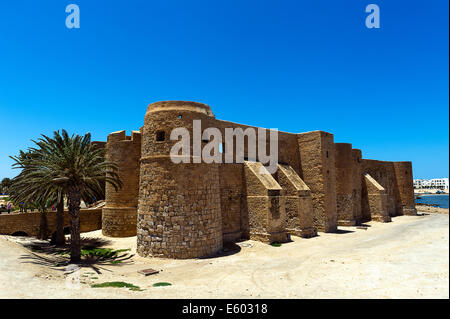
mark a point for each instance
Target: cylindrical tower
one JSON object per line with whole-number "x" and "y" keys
{"x": 344, "y": 184}
{"x": 179, "y": 203}
{"x": 120, "y": 212}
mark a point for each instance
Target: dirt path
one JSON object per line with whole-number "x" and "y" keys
{"x": 407, "y": 258}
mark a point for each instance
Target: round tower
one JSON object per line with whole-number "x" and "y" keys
{"x": 179, "y": 203}
{"x": 120, "y": 212}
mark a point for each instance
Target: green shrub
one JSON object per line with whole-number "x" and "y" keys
{"x": 162, "y": 284}
{"x": 117, "y": 284}
{"x": 104, "y": 253}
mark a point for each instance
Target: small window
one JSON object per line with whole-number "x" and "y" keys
{"x": 359, "y": 160}
{"x": 327, "y": 154}
{"x": 160, "y": 136}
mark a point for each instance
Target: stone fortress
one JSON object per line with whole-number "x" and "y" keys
{"x": 190, "y": 210}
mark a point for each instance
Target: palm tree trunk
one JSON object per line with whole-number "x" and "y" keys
{"x": 74, "y": 196}
{"x": 60, "y": 238}
{"x": 43, "y": 226}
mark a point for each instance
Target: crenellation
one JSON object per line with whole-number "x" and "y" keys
{"x": 120, "y": 211}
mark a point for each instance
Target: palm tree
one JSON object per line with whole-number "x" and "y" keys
{"x": 66, "y": 166}
{"x": 5, "y": 184}
{"x": 26, "y": 189}
{"x": 30, "y": 187}
{"x": 73, "y": 164}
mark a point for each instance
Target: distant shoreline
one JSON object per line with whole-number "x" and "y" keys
{"x": 431, "y": 209}
{"x": 430, "y": 191}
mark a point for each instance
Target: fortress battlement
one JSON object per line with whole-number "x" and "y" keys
{"x": 189, "y": 209}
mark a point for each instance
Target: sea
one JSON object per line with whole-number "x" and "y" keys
{"x": 439, "y": 200}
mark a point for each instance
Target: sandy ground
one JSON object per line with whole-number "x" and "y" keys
{"x": 407, "y": 258}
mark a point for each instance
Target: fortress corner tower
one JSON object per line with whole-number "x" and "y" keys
{"x": 179, "y": 204}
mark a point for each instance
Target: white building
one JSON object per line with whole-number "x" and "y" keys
{"x": 440, "y": 183}
{"x": 420, "y": 183}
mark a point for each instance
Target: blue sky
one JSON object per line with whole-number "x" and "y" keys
{"x": 293, "y": 65}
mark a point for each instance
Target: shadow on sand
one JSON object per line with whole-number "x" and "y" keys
{"x": 343, "y": 231}
{"x": 93, "y": 255}
{"x": 227, "y": 250}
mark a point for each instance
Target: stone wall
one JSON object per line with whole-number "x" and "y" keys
{"x": 188, "y": 210}
{"x": 317, "y": 170}
{"x": 396, "y": 178}
{"x": 344, "y": 184}
{"x": 404, "y": 183}
{"x": 383, "y": 172}
{"x": 287, "y": 143}
{"x": 232, "y": 202}
{"x": 120, "y": 211}
{"x": 28, "y": 223}
{"x": 357, "y": 184}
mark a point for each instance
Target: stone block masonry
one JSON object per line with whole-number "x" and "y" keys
{"x": 298, "y": 202}
{"x": 179, "y": 213}
{"x": 28, "y": 223}
{"x": 120, "y": 211}
{"x": 316, "y": 151}
{"x": 189, "y": 210}
{"x": 405, "y": 203}
{"x": 344, "y": 184}
{"x": 266, "y": 205}
{"x": 375, "y": 199}
{"x": 357, "y": 184}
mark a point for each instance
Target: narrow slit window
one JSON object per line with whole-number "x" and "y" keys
{"x": 160, "y": 136}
